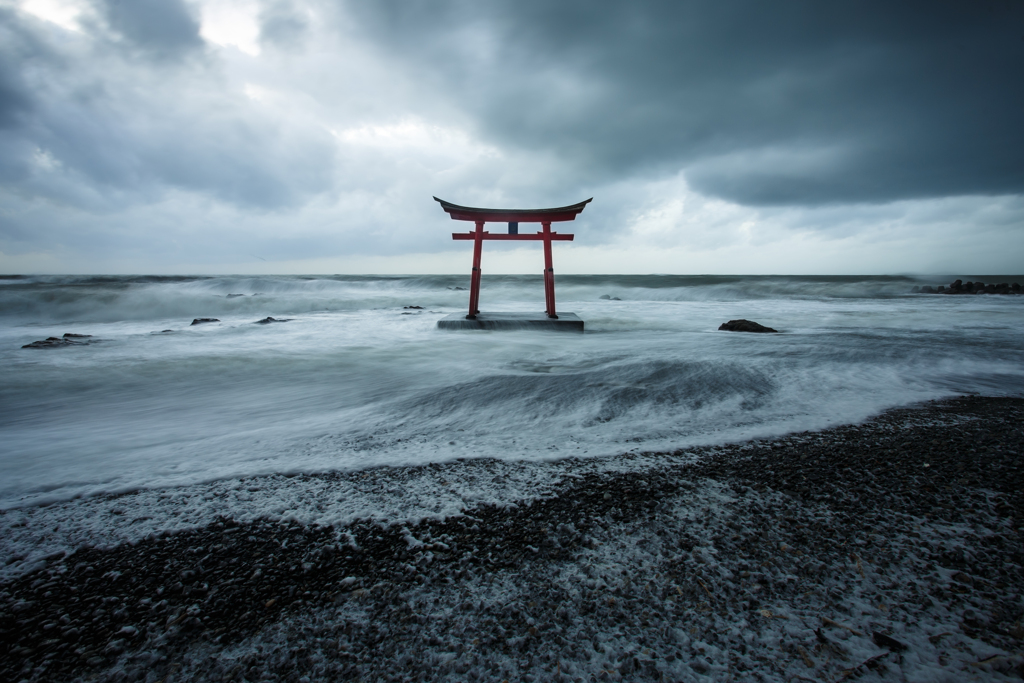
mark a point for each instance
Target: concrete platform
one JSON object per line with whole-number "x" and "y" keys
{"x": 566, "y": 322}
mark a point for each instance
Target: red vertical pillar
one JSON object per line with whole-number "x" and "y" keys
{"x": 474, "y": 281}
{"x": 549, "y": 273}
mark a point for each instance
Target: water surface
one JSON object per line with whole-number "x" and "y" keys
{"x": 355, "y": 379}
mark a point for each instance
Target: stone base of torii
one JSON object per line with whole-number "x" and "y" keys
{"x": 474, "y": 319}
{"x": 567, "y": 322}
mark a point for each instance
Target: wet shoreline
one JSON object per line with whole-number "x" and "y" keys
{"x": 891, "y": 548}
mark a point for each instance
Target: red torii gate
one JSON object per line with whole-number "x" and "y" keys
{"x": 513, "y": 217}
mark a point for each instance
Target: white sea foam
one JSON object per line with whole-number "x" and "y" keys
{"x": 356, "y": 380}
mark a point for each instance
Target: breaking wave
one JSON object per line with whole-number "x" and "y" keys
{"x": 357, "y": 377}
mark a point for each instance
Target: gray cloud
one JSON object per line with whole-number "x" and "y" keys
{"x": 164, "y": 28}
{"x": 20, "y": 56}
{"x": 282, "y": 24}
{"x": 136, "y": 138}
{"x": 95, "y": 128}
{"x": 761, "y": 103}
{"x": 15, "y": 97}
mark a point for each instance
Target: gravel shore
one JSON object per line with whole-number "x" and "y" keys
{"x": 890, "y": 550}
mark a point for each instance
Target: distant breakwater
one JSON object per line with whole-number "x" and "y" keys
{"x": 961, "y": 287}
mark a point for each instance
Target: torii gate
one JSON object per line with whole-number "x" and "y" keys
{"x": 513, "y": 217}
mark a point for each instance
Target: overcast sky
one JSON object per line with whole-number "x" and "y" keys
{"x": 238, "y": 136}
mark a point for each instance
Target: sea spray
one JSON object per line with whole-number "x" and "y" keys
{"x": 353, "y": 378}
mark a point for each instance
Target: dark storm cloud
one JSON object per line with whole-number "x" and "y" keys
{"x": 187, "y": 131}
{"x": 17, "y": 103}
{"x": 165, "y": 28}
{"x": 20, "y": 53}
{"x": 96, "y": 128}
{"x": 788, "y": 103}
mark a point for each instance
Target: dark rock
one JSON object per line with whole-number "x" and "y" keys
{"x": 609, "y": 297}
{"x": 232, "y": 296}
{"x": 744, "y": 326}
{"x": 457, "y": 289}
{"x": 961, "y": 287}
{"x": 200, "y": 321}
{"x": 415, "y": 308}
{"x": 882, "y": 640}
{"x": 69, "y": 339}
{"x": 268, "y": 320}
{"x": 963, "y": 579}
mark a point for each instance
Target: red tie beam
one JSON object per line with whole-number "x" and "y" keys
{"x": 513, "y": 217}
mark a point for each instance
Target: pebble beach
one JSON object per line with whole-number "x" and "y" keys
{"x": 886, "y": 550}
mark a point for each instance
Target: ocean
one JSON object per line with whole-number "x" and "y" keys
{"x": 356, "y": 378}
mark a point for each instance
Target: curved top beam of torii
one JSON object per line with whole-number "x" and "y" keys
{"x": 470, "y": 213}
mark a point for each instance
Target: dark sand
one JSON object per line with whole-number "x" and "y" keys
{"x": 890, "y": 550}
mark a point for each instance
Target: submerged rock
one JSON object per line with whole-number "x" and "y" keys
{"x": 69, "y": 339}
{"x": 268, "y": 320}
{"x": 744, "y": 326}
{"x": 609, "y": 297}
{"x": 200, "y": 321}
{"x": 48, "y": 343}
